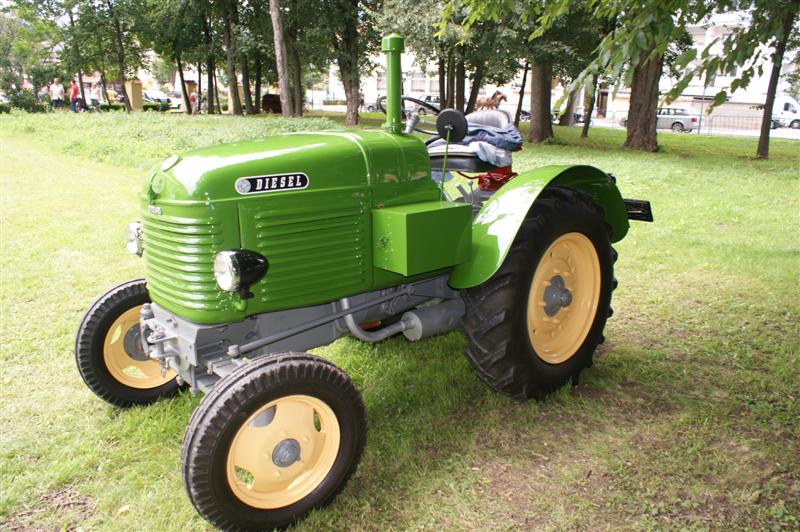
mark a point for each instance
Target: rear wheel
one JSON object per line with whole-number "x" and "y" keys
{"x": 275, "y": 439}
{"x": 109, "y": 354}
{"x": 535, "y": 324}
{"x": 677, "y": 127}
{"x": 795, "y": 124}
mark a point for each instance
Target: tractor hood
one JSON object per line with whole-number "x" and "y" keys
{"x": 232, "y": 171}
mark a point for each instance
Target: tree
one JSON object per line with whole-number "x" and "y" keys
{"x": 772, "y": 30}
{"x": 26, "y": 46}
{"x": 280, "y": 57}
{"x": 648, "y": 28}
{"x": 229, "y": 12}
{"x": 353, "y": 37}
{"x": 174, "y": 30}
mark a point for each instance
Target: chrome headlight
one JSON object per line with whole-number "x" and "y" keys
{"x": 236, "y": 270}
{"x": 133, "y": 238}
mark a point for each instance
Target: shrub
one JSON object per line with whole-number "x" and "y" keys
{"x": 26, "y": 101}
{"x": 5, "y": 108}
{"x": 334, "y": 102}
{"x": 112, "y": 106}
{"x": 160, "y": 107}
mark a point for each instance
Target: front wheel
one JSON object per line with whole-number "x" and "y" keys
{"x": 535, "y": 324}
{"x": 109, "y": 354}
{"x": 795, "y": 124}
{"x": 275, "y": 439}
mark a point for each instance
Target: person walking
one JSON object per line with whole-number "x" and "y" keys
{"x": 56, "y": 91}
{"x": 94, "y": 96}
{"x": 73, "y": 96}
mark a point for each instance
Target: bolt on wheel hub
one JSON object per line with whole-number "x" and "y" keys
{"x": 556, "y": 296}
{"x": 286, "y": 453}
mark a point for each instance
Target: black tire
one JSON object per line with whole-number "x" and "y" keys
{"x": 795, "y": 124}
{"x": 89, "y": 346}
{"x": 230, "y": 404}
{"x": 496, "y": 321}
{"x": 677, "y": 127}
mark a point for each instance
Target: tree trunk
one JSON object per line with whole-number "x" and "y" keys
{"x": 248, "y": 96}
{"x": 643, "y": 109}
{"x": 210, "y": 68}
{"x": 120, "y": 55}
{"x": 590, "y": 99}
{"x": 198, "y": 101}
{"x": 280, "y": 57}
{"x": 460, "y": 83}
{"x": 187, "y": 105}
{"x": 348, "y": 53}
{"x": 76, "y": 52}
{"x": 258, "y": 81}
{"x": 567, "y": 118}
{"x": 352, "y": 95}
{"x": 541, "y": 121}
{"x": 228, "y": 41}
{"x": 442, "y": 82}
{"x": 521, "y": 94}
{"x": 216, "y": 93}
{"x": 451, "y": 80}
{"x": 777, "y": 61}
{"x": 477, "y": 83}
{"x": 105, "y": 87}
{"x": 297, "y": 78}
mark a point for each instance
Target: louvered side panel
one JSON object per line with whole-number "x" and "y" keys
{"x": 317, "y": 244}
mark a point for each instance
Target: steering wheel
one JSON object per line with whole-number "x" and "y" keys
{"x": 420, "y": 122}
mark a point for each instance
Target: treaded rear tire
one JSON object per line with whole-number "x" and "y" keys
{"x": 234, "y": 398}
{"x": 89, "y": 347}
{"x": 495, "y": 322}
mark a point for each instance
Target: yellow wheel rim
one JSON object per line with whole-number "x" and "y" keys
{"x": 142, "y": 374}
{"x": 283, "y": 452}
{"x": 563, "y": 297}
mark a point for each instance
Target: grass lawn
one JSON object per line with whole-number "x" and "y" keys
{"x": 689, "y": 418}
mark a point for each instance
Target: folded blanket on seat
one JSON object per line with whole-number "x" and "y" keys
{"x": 505, "y": 138}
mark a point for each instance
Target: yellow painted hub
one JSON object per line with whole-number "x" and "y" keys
{"x": 572, "y": 264}
{"x": 141, "y": 374}
{"x": 283, "y": 452}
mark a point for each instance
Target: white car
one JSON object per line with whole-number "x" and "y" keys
{"x": 157, "y": 96}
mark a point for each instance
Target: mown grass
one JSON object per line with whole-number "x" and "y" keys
{"x": 688, "y": 419}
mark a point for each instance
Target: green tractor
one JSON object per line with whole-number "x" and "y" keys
{"x": 255, "y": 252}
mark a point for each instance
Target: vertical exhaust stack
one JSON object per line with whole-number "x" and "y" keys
{"x": 392, "y": 45}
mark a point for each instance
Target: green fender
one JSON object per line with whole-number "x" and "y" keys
{"x": 497, "y": 223}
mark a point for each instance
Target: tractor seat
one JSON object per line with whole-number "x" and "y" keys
{"x": 460, "y": 157}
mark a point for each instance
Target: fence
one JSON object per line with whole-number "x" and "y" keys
{"x": 735, "y": 125}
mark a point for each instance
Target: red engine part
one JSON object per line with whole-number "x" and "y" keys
{"x": 493, "y": 180}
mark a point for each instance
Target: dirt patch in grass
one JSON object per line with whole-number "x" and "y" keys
{"x": 65, "y": 506}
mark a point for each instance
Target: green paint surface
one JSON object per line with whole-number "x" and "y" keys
{"x": 317, "y": 240}
{"x": 421, "y": 237}
{"x": 501, "y": 216}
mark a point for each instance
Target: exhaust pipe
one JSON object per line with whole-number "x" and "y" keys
{"x": 434, "y": 319}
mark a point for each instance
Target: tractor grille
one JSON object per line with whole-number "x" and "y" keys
{"x": 179, "y": 254}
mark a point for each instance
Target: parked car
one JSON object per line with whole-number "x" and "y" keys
{"x": 175, "y": 100}
{"x": 432, "y": 99}
{"x": 675, "y": 118}
{"x": 157, "y": 96}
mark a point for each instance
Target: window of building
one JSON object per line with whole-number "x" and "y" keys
{"x": 418, "y": 82}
